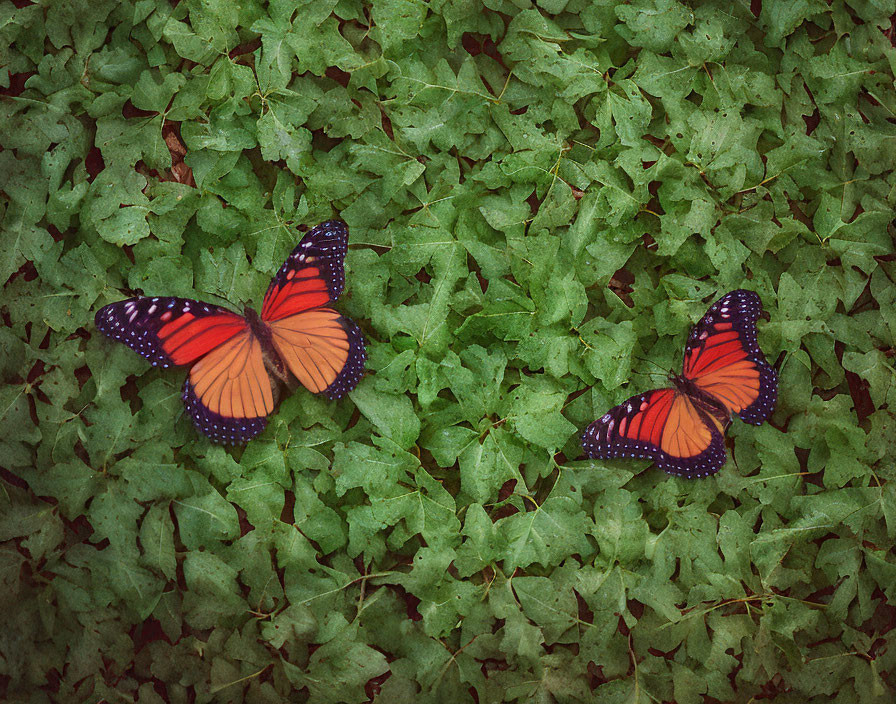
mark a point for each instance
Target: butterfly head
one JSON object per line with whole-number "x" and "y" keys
{"x": 258, "y": 326}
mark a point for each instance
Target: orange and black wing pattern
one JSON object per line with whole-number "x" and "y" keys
{"x": 312, "y": 275}
{"x": 228, "y": 392}
{"x": 722, "y": 358}
{"x": 323, "y": 350}
{"x": 169, "y": 331}
{"x": 662, "y": 425}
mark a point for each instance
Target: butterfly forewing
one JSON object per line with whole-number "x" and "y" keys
{"x": 169, "y": 331}
{"x": 662, "y": 425}
{"x": 312, "y": 275}
{"x": 723, "y": 359}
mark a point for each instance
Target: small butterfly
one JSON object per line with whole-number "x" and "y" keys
{"x": 228, "y": 392}
{"x": 682, "y": 428}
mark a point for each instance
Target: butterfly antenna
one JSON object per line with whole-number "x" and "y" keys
{"x": 660, "y": 369}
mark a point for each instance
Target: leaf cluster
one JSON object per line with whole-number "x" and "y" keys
{"x": 542, "y": 198}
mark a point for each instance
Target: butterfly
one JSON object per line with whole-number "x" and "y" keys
{"x": 228, "y": 392}
{"x": 682, "y": 428}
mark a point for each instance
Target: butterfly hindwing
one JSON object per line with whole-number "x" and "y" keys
{"x": 662, "y": 425}
{"x": 353, "y": 370}
{"x": 169, "y": 331}
{"x": 218, "y": 428}
{"x": 723, "y": 359}
{"x": 323, "y": 350}
{"x": 228, "y": 393}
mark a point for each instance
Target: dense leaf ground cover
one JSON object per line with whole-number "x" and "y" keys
{"x": 542, "y": 199}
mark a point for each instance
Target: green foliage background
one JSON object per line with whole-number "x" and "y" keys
{"x": 541, "y": 198}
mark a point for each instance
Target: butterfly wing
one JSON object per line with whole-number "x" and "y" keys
{"x": 228, "y": 393}
{"x": 324, "y": 350}
{"x": 663, "y": 425}
{"x": 722, "y": 358}
{"x": 169, "y": 331}
{"x": 312, "y": 275}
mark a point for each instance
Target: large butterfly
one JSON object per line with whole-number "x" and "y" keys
{"x": 228, "y": 392}
{"x": 682, "y": 428}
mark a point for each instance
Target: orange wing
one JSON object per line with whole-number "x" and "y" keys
{"x": 322, "y": 349}
{"x": 722, "y": 358}
{"x": 231, "y": 380}
{"x": 227, "y": 392}
{"x": 662, "y": 425}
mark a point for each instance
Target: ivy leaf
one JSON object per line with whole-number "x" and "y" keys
{"x": 544, "y": 534}
{"x": 553, "y": 609}
{"x": 205, "y": 517}
{"x": 655, "y": 24}
{"x": 345, "y": 665}
{"x": 535, "y": 412}
{"x": 157, "y": 540}
{"x": 211, "y": 597}
{"x": 391, "y": 414}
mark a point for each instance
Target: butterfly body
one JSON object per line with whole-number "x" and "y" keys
{"x": 682, "y": 428}
{"x": 229, "y": 392}
{"x": 272, "y": 361}
{"x": 708, "y": 406}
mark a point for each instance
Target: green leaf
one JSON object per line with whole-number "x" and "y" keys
{"x": 397, "y": 21}
{"x": 553, "y": 610}
{"x": 534, "y": 410}
{"x": 654, "y": 25}
{"x": 212, "y": 596}
{"x": 608, "y": 352}
{"x": 544, "y": 534}
{"x": 205, "y": 518}
{"x": 391, "y": 414}
{"x": 157, "y": 540}
{"x": 338, "y": 671}
{"x": 485, "y": 466}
